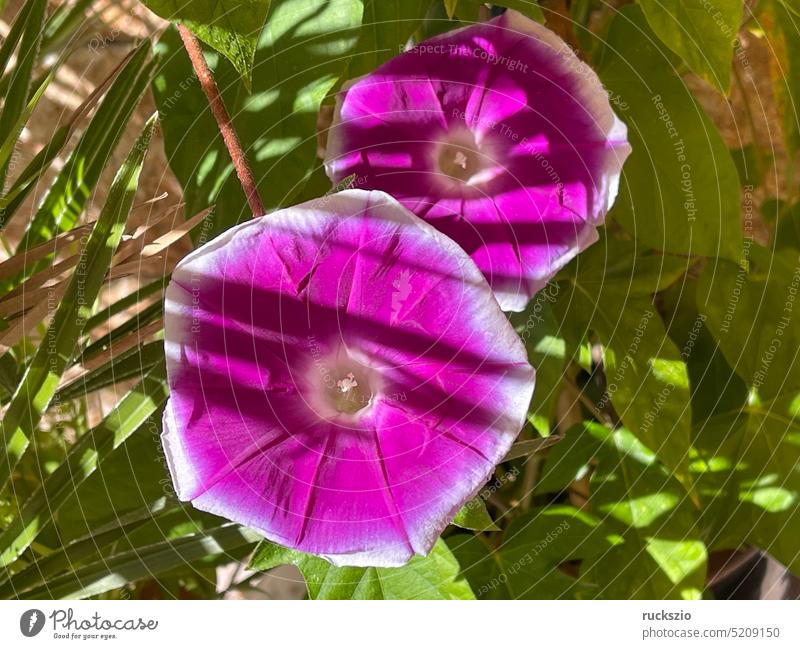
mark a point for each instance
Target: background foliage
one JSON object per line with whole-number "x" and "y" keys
{"x": 663, "y": 436}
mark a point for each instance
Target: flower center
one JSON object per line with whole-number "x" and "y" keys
{"x": 458, "y": 161}
{"x": 349, "y": 394}
{"x": 463, "y": 163}
{"x": 340, "y": 382}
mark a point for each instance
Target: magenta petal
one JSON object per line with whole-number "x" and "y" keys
{"x": 497, "y": 134}
{"x": 342, "y": 379}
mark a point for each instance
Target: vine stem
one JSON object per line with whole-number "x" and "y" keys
{"x": 224, "y": 123}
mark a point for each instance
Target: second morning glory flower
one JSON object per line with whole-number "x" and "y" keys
{"x": 496, "y": 134}
{"x": 341, "y": 379}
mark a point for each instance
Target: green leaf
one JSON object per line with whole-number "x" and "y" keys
{"x": 748, "y": 470}
{"x": 612, "y": 262}
{"x": 16, "y": 107}
{"x": 647, "y": 382}
{"x": 229, "y": 26}
{"x": 64, "y": 21}
{"x": 567, "y": 461}
{"x": 41, "y": 379}
{"x": 12, "y": 134}
{"x": 581, "y": 14}
{"x": 69, "y": 555}
{"x": 303, "y": 50}
{"x": 127, "y": 365}
{"x": 130, "y": 475}
{"x": 680, "y": 189}
{"x": 146, "y": 562}
{"x": 125, "y": 302}
{"x": 431, "y": 577}
{"x": 781, "y": 21}
{"x": 748, "y": 464}
{"x": 701, "y": 32}
{"x": 16, "y": 96}
{"x": 525, "y": 566}
{"x": 715, "y": 387}
{"x": 787, "y": 232}
{"x": 450, "y": 7}
{"x": 67, "y": 196}
{"x": 386, "y": 28}
{"x": 135, "y": 323}
{"x": 555, "y": 534}
{"x": 526, "y": 447}
{"x": 26, "y": 180}
{"x": 133, "y": 412}
{"x": 662, "y": 553}
{"x": 529, "y": 8}
{"x": 752, "y": 317}
{"x": 749, "y": 165}
{"x": 474, "y": 516}
{"x": 541, "y": 332}
{"x": 11, "y": 41}
{"x": 625, "y": 264}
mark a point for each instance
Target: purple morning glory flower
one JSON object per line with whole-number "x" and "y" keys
{"x": 496, "y": 134}
{"x": 342, "y": 379}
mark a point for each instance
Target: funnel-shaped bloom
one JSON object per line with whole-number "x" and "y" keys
{"x": 342, "y": 379}
{"x": 498, "y": 136}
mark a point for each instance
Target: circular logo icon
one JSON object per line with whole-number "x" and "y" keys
{"x": 31, "y": 622}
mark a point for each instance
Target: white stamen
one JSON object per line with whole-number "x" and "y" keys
{"x": 348, "y": 383}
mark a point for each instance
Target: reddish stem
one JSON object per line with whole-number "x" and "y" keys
{"x": 229, "y": 136}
